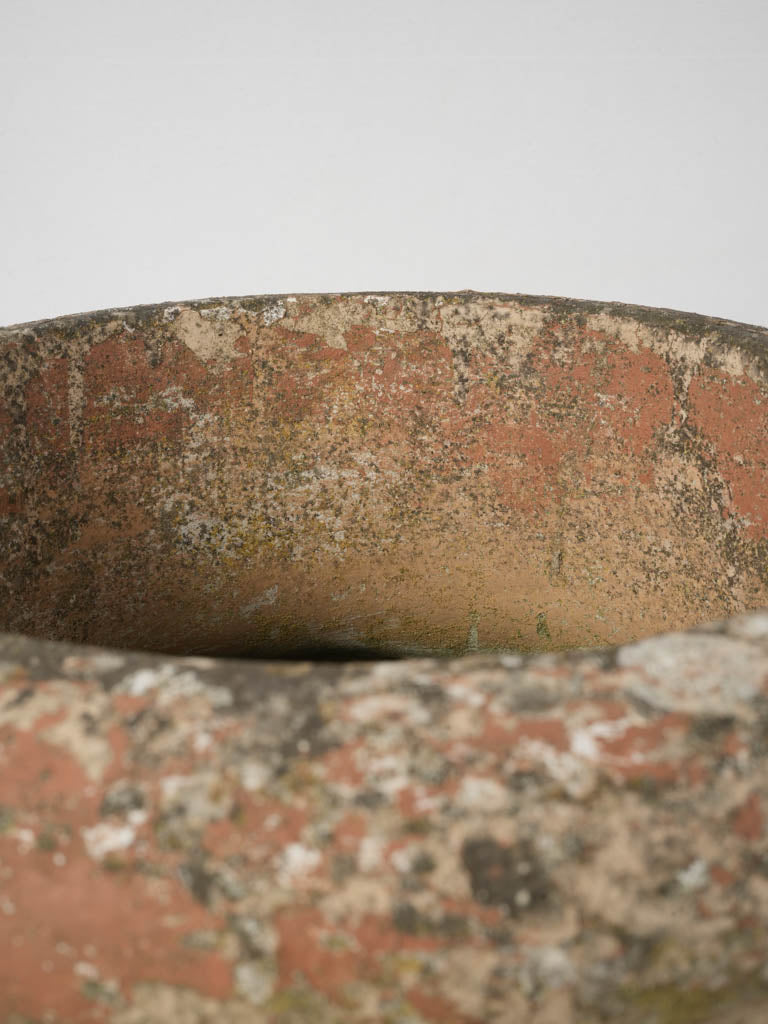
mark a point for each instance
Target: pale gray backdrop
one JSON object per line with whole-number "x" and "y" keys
{"x": 171, "y": 149}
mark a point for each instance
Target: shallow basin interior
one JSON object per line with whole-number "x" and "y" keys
{"x": 380, "y": 475}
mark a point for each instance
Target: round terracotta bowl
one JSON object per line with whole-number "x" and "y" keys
{"x": 222, "y": 799}
{"x": 386, "y": 474}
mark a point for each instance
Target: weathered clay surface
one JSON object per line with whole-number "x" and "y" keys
{"x": 522, "y": 834}
{"x": 544, "y": 839}
{"x": 409, "y": 473}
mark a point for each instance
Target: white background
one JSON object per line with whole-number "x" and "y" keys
{"x": 167, "y": 150}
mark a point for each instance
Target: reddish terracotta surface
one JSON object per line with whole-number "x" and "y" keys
{"x": 400, "y": 473}
{"x": 577, "y": 837}
{"x": 496, "y": 832}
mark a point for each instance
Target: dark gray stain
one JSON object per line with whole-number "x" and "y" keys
{"x": 506, "y": 876}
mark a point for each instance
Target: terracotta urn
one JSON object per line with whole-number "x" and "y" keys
{"x": 392, "y": 657}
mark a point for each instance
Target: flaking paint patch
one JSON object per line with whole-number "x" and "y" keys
{"x": 676, "y": 676}
{"x": 95, "y": 663}
{"x": 296, "y": 862}
{"x": 173, "y": 684}
{"x": 200, "y": 798}
{"x": 105, "y": 838}
{"x": 332, "y": 321}
{"x": 210, "y": 337}
{"x": 73, "y": 732}
{"x": 272, "y": 313}
{"x": 267, "y": 597}
{"x": 159, "y": 1003}
{"x": 472, "y": 327}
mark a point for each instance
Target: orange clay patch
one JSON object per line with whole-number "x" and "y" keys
{"x": 128, "y": 926}
{"x": 740, "y": 440}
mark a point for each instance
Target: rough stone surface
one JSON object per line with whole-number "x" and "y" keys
{"x": 409, "y": 473}
{"x": 554, "y": 814}
{"x": 565, "y": 838}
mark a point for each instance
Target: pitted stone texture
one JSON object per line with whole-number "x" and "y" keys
{"x": 509, "y": 837}
{"x": 423, "y": 474}
{"x": 551, "y": 839}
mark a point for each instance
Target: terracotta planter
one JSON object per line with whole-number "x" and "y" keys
{"x": 482, "y": 831}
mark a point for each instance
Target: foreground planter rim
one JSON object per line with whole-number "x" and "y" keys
{"x": 493, "y": 830}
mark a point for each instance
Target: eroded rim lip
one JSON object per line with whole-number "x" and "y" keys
{"x": 677, "y": 667}
{"x": 558, "y": 302}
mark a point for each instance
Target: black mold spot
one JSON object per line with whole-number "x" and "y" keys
{"x": 758, "y": 746}
{"x": 198, "y": 879}
{"x": 343, "y": 866}
{"x": 577, "y": 847}
{"x": 423, "y": 863}
{"x": 90, "y": 725}
{"x": 417, "y": 826}
{"x": 637, "y": 950}
{"x": 406, "y": 918}
{"x": 172, "y": 832}
{"x": 122, "y": 799}
{"x": 47, "y": 839}
{"x": 20, "y": 698}
{"x": 755, "y": 862}
{"x": 507, "y": 876}
{"x": 542, "y": 629}
{"x": 531, "y": 699}
{"x": 307, "y": 740}
{"x": 525, "y": 781}
{"x": 369, "y": 798}
{"x": 711, "y": 727}
{"x": 150, "y": 720}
